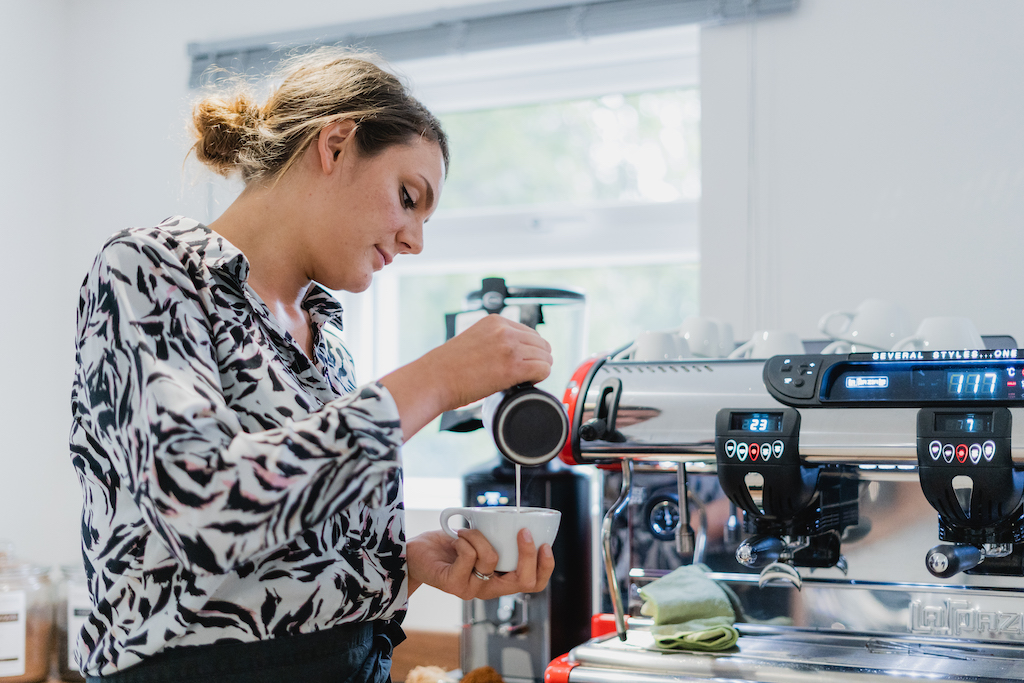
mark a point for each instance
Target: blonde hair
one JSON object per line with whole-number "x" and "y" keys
{"x": 233, "y": 133}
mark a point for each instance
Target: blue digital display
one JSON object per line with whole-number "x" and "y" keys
{"x": 756, "y": 422}
{"x": 967, "y": 423}
{"x": 925, "y": 382}
{"x": 972, "y": 383}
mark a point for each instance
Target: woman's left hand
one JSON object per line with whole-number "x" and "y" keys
{"x": 438, "y": 560}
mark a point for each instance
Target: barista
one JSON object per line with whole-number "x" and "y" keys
{"x": 242, "y": 514}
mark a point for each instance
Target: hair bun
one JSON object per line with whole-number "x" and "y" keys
{"x": 223, "y": 128}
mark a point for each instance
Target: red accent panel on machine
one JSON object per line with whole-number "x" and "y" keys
{"x": 603, "y": 624}
{"x": 558, "y": 670}
{"x": 572, "y": 395}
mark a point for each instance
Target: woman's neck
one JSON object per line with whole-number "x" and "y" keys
{"x": 259, "y": 224}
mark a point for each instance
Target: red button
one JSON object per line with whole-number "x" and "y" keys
{"x": 754, "y": 450}
{"x": 961, "y": 452}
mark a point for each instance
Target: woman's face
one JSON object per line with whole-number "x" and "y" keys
{"x": 375, "y": 209}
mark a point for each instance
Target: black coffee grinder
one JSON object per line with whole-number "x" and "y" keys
{"x": 519, "y": 635}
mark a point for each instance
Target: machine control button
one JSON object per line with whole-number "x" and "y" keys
{"x": 974, "y": 452}
{"x": 754, "y": 451}
{"x": 766, "y": 451}
{"x": 777, "y": 448}
{"x": 741, "y": 451}
{"x": 988, "y": 449}
{"x": 947, "y": 452}
{"x": 961, "y": 452}
{"x": 792, "y": 377}
{"x": 730, "y": 448}
{"x": 935, "y": 449}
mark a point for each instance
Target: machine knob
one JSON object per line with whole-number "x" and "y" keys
{"x": 594, "y": 429}
{"x": 945, "y": 561}
{"x": 760, "y": 551}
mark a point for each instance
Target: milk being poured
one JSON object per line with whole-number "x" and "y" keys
{"x": 519, "y": 474}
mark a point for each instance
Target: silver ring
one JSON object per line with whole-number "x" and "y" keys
{"x": 482, "y": 577}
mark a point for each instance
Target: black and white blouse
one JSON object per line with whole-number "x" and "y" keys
{"x": 233, "y": 489}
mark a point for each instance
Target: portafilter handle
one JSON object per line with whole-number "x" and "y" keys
{"x": 945, "y": 561}
{"x": 760, "y": 551}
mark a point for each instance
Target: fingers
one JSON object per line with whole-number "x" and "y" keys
{"x": 535, "y": 564}
{"x": 527, "y": 567}
{"x": 474, "y": 552}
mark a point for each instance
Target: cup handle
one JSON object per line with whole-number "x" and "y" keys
{"x": 906, "y": 344}
{"x": 743, "y": 350}
{"x": 825, "y": 324}
{"x": 448, "y": 513}
{"x": 838, "y": 346}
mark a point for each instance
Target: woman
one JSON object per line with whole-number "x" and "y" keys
{"x": 242, "y": 495}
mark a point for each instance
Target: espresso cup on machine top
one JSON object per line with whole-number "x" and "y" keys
{"x": 501, "y": 524}
{"x": 701, "y": 336}
{"x": 726, "y": 343}
{"x": 768, "y": 343}
{"x": 658, "y": 346}
{"x": 942, "y": 333}
{"x": 875, "y": 325}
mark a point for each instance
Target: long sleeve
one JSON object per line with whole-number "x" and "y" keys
{"x": 153, "y": 357}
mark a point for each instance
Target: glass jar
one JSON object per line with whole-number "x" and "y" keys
{"x": 73, "y": 608}
{"x": 26, "y": 619}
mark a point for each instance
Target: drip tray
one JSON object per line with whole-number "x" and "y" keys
{"x": 767, "y": 655}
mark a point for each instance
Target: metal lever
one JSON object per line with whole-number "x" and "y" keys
{"x": 606, "y": 542}
{"x": 685, "y": 542}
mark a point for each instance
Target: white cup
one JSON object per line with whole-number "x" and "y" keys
{"x": 768, "y": 343}
{"x": 501, "y": 524}
{"x": 726, "y": 341}
{"x": 875, "y": 325}
{"x": 657, "y": 346}
{"x": 942, "y": 333}
{"x": 701, "y": 336}
{"x": 843, "y": 346}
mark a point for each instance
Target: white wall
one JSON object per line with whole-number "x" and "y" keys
{"x": 888, "y": 161}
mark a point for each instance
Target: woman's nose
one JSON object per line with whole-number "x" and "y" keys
{"x": 410, "y": 239}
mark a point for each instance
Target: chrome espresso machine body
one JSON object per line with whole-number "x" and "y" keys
{"x": 873, "y": 503}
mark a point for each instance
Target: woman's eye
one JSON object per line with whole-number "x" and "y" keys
{"x": 407, "y": 201}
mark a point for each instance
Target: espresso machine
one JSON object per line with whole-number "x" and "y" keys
{"x": 517, "y": 635}
{"x": 868, "y": 519}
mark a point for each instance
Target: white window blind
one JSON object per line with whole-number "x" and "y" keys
{"x": 476, "y": 28}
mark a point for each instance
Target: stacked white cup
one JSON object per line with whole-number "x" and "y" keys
{"x": 875, "y": 325}
{"x": 942, "y": 333}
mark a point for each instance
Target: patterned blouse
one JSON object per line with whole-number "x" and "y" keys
{"x": 233, "y": 489}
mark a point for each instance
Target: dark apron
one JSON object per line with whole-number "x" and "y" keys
{"x": 360, "y": 653}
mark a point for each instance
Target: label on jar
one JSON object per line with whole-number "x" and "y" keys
{"x": 12, "y": 633}
{"x": 79, "y": 607}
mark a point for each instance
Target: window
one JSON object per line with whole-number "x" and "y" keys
{"x": 596, "y": 192}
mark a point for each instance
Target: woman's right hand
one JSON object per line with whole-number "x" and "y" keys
{"x": 490, "y": 356}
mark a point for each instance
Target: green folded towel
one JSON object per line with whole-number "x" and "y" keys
{"x": 711, "y": 634}
{"x": 690, "y": 611}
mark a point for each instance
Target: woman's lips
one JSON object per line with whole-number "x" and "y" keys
{"x": 384, "y": 257}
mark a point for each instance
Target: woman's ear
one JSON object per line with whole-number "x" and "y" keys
{"x": 333, "y": 143}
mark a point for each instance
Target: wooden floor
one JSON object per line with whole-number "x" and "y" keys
{"x": 425, "y": 648}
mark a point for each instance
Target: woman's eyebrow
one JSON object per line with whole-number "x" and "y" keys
{"x": 430, "y": 192}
